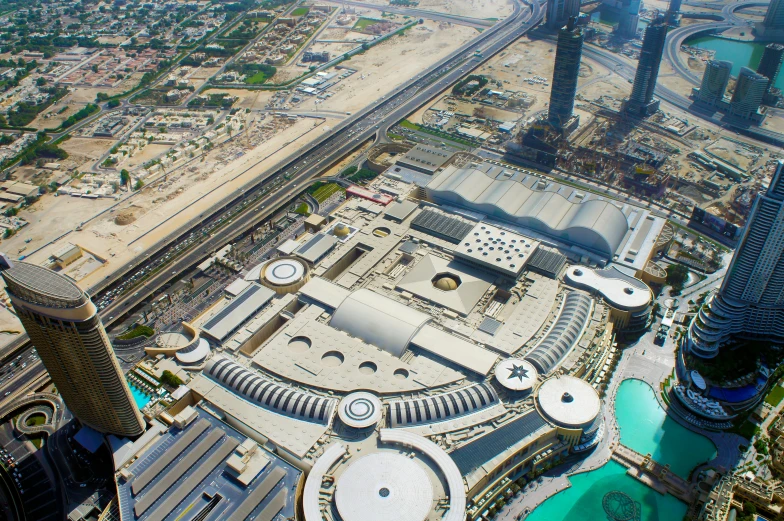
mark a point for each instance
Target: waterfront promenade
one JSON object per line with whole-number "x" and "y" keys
{"x": 644, "y": 361}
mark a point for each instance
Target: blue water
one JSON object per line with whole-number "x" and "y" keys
{"x": 738, "y": 394}
{"x": 646, "y": 428}
{"x": 583, "y": 500}
{"x": 741, "y": 54}
{"x": 139, "y": 397}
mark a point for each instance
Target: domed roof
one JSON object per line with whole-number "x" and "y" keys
{"x": 446, "y": 282}
{"x": 569, "y": 401}
{"x": 341, "y": 230}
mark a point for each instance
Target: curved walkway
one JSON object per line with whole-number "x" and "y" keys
{"x": 676, "y": 37}
{"x": 48, "y": 426}
{"x": 49, "y": 401}
{"x": 311, "y": 496}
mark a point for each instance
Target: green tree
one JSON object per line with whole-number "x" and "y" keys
{"x": 170, "y": 379}
{"x": 125, "y": 177}
{"x": 139, "y": 184}
{"x": 677, "y": 275}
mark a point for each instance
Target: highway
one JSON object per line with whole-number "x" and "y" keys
{"x": 422, "y": 13}
{"x": 617, "y": 64}
{"x": 675, "y": 39}
{"x": 296, "y": 170}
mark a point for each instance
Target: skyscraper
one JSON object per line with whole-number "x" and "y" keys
{"x": 750, "y": 303}
{"x": 641, "y": 101}
{"x": 749, "y": 91}
{"x": 630, "y": 20}
{"x": 773, "y": 24}
{"x": 714, "y": 81}
{"x": 565, "y": 74}
{"x": 673, "y": 10}
{"x": 770, "y": 63}
{"x": 64, "y": 327}
{"x": 559, "y": 12}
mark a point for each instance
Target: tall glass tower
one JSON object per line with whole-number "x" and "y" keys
{"x": 773, "y": 24}
{"x": 559, "y": 11}
{"x": 63, "y": 325}
{"x": 749, "y": 92}
{"x": 770, "y": 63}
{"x": 750, "y": 303}
{"x": 714, "y": 81}
{"x": 641, "y": 102}
{"x": 565, "y": 75}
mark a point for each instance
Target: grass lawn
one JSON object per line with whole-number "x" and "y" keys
{"x": 775, "y": 396}
{"x": 747, "y": 430}
{"x": 325, "y": 191}
{"x": 364, "y": 23}
{"x": 443, "y": 135}
{"x": 300, "y": 11}
{"x": 256, "y": 79}
{"x": 137, "y": 332}
{"x": 35, "y": 419}
{"x": 302, "y": 209}
{"x": 37, "y": 440}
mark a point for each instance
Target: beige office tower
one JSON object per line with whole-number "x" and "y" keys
{"x": 63, "y": 325}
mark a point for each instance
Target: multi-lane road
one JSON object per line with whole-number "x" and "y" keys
{"x": 296, "y": 170}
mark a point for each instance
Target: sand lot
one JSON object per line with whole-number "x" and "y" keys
{"x": 392, "y": 62}
{"x": 83, "y": 151}
{"x": 53, "y": 117}
{"x": 185, "y": 194}
{"x": 472, "y": 8}
{"x": 248, "y": 99}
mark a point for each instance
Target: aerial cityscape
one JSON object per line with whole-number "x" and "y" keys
{"x": 391, "y": 260}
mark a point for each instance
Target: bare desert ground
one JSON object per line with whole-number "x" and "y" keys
{"x": 387, "y": 65}
{"x": 162, "y": 207}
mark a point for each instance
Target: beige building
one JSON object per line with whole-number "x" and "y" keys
{"x": 64, "y": 327}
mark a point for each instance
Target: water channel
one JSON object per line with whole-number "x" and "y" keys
{"x": 741, "y": 54}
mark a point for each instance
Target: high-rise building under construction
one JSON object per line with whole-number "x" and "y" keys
{"x": 565, "y": 75}
{"x": 641, "y": 101}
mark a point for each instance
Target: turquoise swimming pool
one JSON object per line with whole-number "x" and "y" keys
{"x": 609, "y": 485}
{"x": 139, "y": 397}
{"x": 646, "y": 428}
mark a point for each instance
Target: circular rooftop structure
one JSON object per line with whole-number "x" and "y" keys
{"x": 284, "y": 274}
{"x": 569, "y": 402}
{"x": 360, "y": 410}
{"x": 384, "y": 486}
{"x": 341, "y": 230}
{"x": 446, "y": 281}
{"x": 516, "y": 375}
{"x": 194, "y": 353}
{"x": 173, "y": 340}
{"x": 39, "y": 285}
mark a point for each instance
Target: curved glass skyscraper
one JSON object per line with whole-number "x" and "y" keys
{"x": 750, "y": 303}
{"x": 63, "y": 325}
